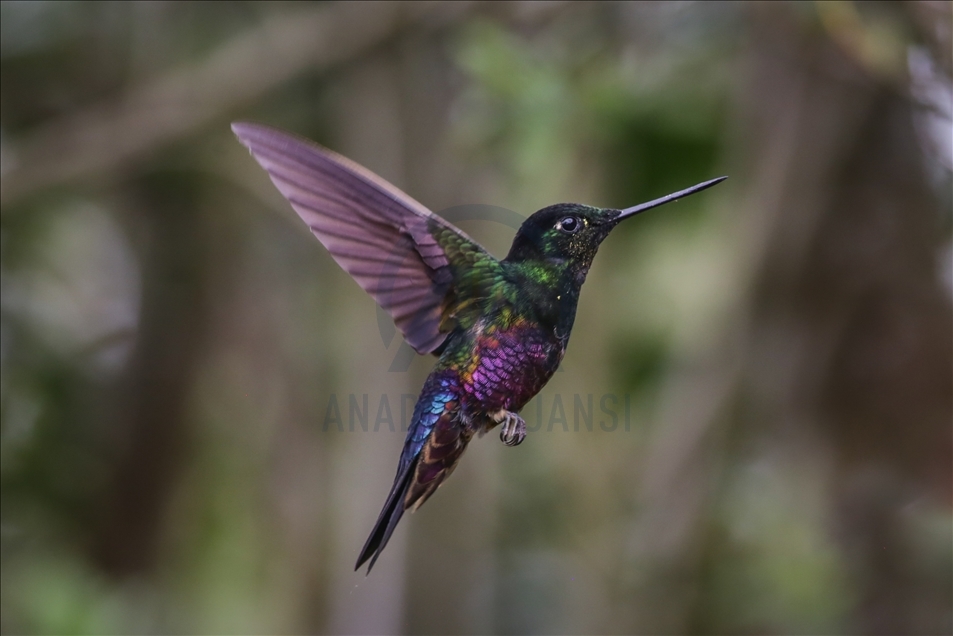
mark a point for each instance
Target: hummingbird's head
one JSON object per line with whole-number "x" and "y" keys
{"x": 563, "y": 233}
{"x": 570, "y": 233}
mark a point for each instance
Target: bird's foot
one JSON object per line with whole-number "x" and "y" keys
{"x": 513, "y": 430}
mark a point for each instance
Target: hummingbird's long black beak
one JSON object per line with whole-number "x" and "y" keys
{"x": 667, "y": 198}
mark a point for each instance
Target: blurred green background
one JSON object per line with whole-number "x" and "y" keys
{"x": 777, "y": 351}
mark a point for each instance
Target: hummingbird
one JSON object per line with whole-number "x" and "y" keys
{"x": 499, "y": 328}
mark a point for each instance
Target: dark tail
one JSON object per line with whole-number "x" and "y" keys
{"x": 387, "y": 521}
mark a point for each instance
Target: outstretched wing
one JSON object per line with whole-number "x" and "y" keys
{"x": 418, "y": 267}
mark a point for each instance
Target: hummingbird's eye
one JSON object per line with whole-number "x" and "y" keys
{"x": 569, "y": 224}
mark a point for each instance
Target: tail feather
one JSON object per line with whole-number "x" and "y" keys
{"x": 392, "y": 512}
{"x": 436, "y": 439}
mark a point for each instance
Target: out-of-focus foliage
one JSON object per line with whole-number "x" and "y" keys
{"x": 751, "y": 431}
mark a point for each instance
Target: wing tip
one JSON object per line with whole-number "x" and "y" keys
{"x": 242, "y": 128}
{"x": 249, "y": 132}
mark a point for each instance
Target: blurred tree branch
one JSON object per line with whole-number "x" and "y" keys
{"x": 108, "y": 135}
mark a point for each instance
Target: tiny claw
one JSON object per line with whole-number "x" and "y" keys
{"x": 513, "y": 431}
{"x": 512, "y": 440}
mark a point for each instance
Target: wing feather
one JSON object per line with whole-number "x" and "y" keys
{"x": 396, "y": 249}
